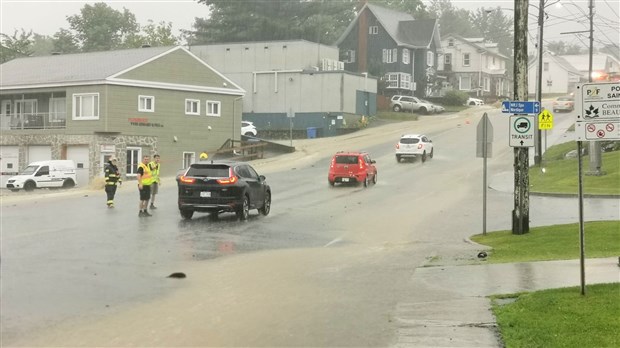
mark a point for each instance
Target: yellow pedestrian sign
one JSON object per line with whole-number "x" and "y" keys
{"x": 545, "y": 120}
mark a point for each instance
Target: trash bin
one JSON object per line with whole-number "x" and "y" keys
{"x": 311, "y": 132}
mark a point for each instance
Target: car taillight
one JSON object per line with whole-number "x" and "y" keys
{"x": 420, "y": 145}
{"x": 187, "y": 180}
{"x": 232, "y": 178}
{"x": 361, "y": 163}
{"x": 333, "y": 162}
{"x": 397, "y": 146}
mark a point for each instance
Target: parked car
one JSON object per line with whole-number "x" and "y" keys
{"x": 437, "y": 109}
{"x": 352, "y": 167}
{"x": 408, "y": 103}
{"x": 474, "y": 102}
{"x": 414, "y": 145}
{"x": 248, "y": 128}
{"x": 44, "y": 174}
{"x": 566, "y": 103}
{"x": 222, "y": 186}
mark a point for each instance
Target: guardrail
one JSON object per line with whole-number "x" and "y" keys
{"x": 33, "y": 121}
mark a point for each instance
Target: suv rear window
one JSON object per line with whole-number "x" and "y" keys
{"x": 208, "y": 171}
{"x": 346, "y": 159}
{"x": 409, "y": 140}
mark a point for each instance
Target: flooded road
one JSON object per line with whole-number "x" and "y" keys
{"x": 327, "y": 267}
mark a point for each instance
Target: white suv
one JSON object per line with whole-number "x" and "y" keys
{"x": 414, "y": 145}
{"x": 409, "y": 103}
{"x": 474, "y": 102}
{"x": 248, "y": 129}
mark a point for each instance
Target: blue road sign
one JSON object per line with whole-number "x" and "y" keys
{"x": 521, "y": 107}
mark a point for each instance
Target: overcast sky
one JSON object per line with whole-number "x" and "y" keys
{"x": 46, "y": 17}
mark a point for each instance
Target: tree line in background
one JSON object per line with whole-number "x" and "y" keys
{"x": 99, "y": 27}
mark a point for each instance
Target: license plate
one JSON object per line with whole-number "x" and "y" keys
{"x": 345, "y": 179}
{"x": 205, "y": 194}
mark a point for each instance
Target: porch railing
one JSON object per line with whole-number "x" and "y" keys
{"x": 33, "y": 121}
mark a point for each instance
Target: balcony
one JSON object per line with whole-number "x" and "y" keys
{"x": 29, "y": 121}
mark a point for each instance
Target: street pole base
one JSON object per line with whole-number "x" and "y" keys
{"x": 596, "y": 173}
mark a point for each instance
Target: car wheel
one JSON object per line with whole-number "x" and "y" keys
{"x": 331, "y": 183}
{"x": 432, "y": 152}
{"x": 423, "y": 111}
{"x": 29, "y": 186}
{"x": 69, "y": 183}
{"x": 366, "y": 181}
{"x": 244, "y": 210}
{"x": 398, "y": 158}
{"x": 374, "y": 179}
{"x": 424, "y": 157}
{"x": 266, "y": 208}
{"x": 187, "y": 214}
{"x": 396, "y": 108}
{"x": 472, "y": 103}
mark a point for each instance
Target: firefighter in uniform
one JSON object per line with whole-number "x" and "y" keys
{"x": 112, "y": 178}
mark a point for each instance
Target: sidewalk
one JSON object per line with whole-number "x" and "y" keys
{"x": 451, "y": 308}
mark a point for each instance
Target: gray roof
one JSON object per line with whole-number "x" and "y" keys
{"x": 477, "y": 43}
{"x": 402, "y": 27}
{"x": 74, "y": 68}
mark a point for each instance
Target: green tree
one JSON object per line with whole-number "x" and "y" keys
{"x": 496, "y": 27}
{"x": 17, "y": 45}
{"x": 99, "y": 27}
{"x": 262, "y": 20}
{"x": 451, "y": 19}
{"x": 42, "y": 45}
{"x": 152, "y": 35}
{"x": 416, "y": 8}
{"x": 65, "y": 42}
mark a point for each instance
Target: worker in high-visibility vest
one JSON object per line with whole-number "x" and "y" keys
{"x": 145, "y": 179}
{"x": 155, "y": 167}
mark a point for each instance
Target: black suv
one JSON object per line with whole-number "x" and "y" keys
{"x": 222, "y": 186}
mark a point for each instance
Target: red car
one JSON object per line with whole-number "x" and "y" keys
{"x": 352, "y": 167}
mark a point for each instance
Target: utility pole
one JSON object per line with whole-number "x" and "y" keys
{"x": 521, "y": 212}
{"x": 594, "y": 146}
{"x": 541, "y": 13}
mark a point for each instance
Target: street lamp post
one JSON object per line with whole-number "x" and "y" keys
{"x": 541, "y": 13}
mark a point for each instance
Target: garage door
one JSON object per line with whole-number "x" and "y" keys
{"x": 9, "y": 163}
{"x": 39, "y": 153}
{"x": 80, "y": 155}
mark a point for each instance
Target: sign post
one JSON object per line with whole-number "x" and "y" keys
{"x": 484, "y": 141}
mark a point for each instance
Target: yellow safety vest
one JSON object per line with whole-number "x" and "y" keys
{"x": 147, "y": 177}
{"x": 154, "y": 166}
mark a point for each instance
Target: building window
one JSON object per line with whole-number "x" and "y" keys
{"x": 464, "y": 83}
{"x": 398, "y": 80}
{"x": 465, "y": 59}
{"x": 146, "y": 103}
{"x": 487, "y": 84}
{"x": 192, "y": 107}
{"x": 134, "y": 157}
{"x": 86, "y": 106}
{"x": 188, "y": 159}
{"x": 26, "y": 107}
{"x": 546, "y": 66}
{"x": 450, "y": 42}
{"x": 430, "y": 58}
{"x": 390, "y": 55}
{"x": 373, "y": 30}
{"x": 549, "y": 83}
{"x": 213, "y": 108}
{"x": 349, "y": 56}
{"x": 405, "y": 56}
{"x": 58, "y": 109}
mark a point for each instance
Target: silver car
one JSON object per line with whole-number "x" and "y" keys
{"x": 409, "y": 103}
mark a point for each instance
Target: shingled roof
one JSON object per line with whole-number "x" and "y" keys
{"x": 74, "y": 68}
{"x": 405, "y": 30}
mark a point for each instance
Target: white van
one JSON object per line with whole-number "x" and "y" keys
{"x": 58, "y": 173}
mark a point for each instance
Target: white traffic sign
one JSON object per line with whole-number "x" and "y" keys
{"x": 521, "y": 131}
{"x": 598, "y": 111}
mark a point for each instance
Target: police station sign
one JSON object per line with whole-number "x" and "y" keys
{"x": 597, "y": 106}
